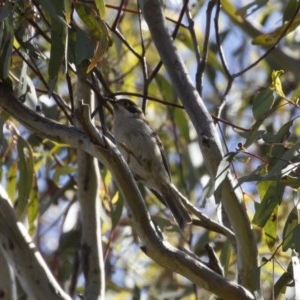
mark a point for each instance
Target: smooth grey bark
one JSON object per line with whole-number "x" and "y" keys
{"x": 8, "y": 289}
{"x": 28, "y": 264}
{"x": 88, "y": 181}
{"x": 209, "y": 142}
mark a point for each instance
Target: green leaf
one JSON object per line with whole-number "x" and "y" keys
{"x": 223, "y": 168}
{"x": 254, "y": 134}
{"x": 61, "y": 171}
{"x": 101, "y": 48}
{"x": 283, "y": 282}
{"x": 226, "y": 252}
{"x": 270, "y": 229}
{"x": 231, "y": 11}
{"x": 289, "y": 10}
{"x": 57, "y": 52}
{"x": 257, "y": 175}
{"x": 182, "y": 122}
{"x": 91, "y": 21}
{"x": 296, "y": 273}
{"x": 276, "y": 83}
{"x": 271, "y": 38}
{"x": 33, "y": 207}
{"x": 98, "y": 31}
{"x": 101, "y": 8}
{"x": 270, "y": 193}
{"x": 25, "y": 165}
{"x": 4, "y": 117}
{"x": 296, "y": 238}
{"x": 208, "y": 191}
{"x": 164, "y": 87}
{"x": 282, "y": 134}
{"x": 288, "y": 156}
{"x": 11, "y": 181}
{"x": 55, "y": 8}
{"x": 68, "y": 11}
{"x": 81, "y": 46}
{"x": 118, "y": 205}
{"x": 262, "y": 103}
{"x": 291, "y": 181}
{"x": 289, "y": 227}
{"x": 6, "y": 41}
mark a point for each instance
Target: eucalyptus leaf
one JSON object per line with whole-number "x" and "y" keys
{"x": 6, "y": 43}
{"x": 262, "y": 103}
{"x": 268, "y": 39}
{"x": 289, "y": 155}
{"x": 282, "y": 283}
{"x": 223, "y": 168}
{"x": 276, "y": 82}
{"x": 58, "y": 38}
{"x": 118, "y": 205}
{"x": 33, "y": 207}
{"x": 270, "y": 229}
{"x": 291, "y": 223}
{"x": 270, "y": 193}
{"x": 26, "y": 171}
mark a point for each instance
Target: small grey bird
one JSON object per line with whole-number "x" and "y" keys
{"x": 143, "y": 151}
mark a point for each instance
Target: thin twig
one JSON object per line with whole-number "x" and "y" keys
{"x": 174, "y": 34}
{"x": 202, "y": 64}
{"x": 143, "y": 61}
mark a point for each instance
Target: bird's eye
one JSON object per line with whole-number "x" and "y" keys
{"x": 131, "y": 107}
{"x": 127, "y": 104}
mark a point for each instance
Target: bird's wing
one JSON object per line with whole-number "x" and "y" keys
{"x": 162, "y": 152}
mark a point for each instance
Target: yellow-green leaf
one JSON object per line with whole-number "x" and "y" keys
{"x": 262, "y": 104}
{"x": 97, "y": 30}
{"x": 270, "y": 193}
{"x": 231, "y": 10}
{"x": 117, "y": 209}
{"x": 101, "y": 8}
{"x": 291, "y": 223}
{"x": 100, "y": 51}
{"x": 33, "y": 207}
{"x": 64, "y": 170}
{"x": 268, "y": 39}
{"x": 68, "y": 11}
{"x": 25, "y": 165}
{"x": 291, "y": 181}
{"x": 271, "y": 229}
{"x": 276, "y": 83}
{"x": 11, "y": 179}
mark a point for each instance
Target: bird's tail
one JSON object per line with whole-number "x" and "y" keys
{"x": 175, "y": 201}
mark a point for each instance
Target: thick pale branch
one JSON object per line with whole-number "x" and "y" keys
{"x": 154, "y": 245}
{"x": 88, "y": 181}
{"x": 8, "y": 283}
{"x": 18, "y": 248}
{"x": 208, "y": 139}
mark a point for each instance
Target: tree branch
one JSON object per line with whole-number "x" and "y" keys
{"x": 88, "y": 182}
{"x": 19, "y": 250}
{"x": 208, "y": 139}
{"x": 8, "y": 284}
{"x": 106, "y": 152}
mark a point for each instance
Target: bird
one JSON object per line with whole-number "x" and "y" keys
{"x": 144, "y": 153}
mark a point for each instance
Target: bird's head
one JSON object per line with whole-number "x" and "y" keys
{"x": 126, "y": 108}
